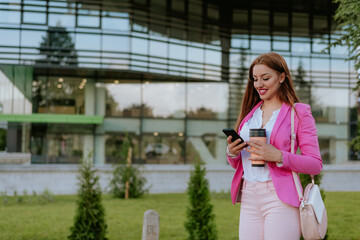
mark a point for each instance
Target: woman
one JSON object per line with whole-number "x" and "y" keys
{"x": 269, "y": 200}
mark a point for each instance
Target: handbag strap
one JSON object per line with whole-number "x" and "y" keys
{"x": 296, "y": 175}
{"x": 293, "y": 137}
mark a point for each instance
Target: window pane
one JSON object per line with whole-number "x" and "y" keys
{"x": 114, "y": 143}
{"x": 164, "y": 100}
{"x": 124, "y": 99}
{"x": 264, "y": 45}
{"x": 9, "y": 17}
{"x": 163, "y": 148}
{"x": 213, "y": 57}
{"x": 207, "y": 100}
{"x": 32, "y": 17}
{"x": 195, "y": 54}
{"x": 139, "y": 46}
{"x": 158, "y": 49}
{"x": 32, "y": 38}
{"x": 9, "y": 37}
{"x": 115, "y": 43}
{"x": 62, "y": 20}
{"x": 177, "y": 51}
{"x": 62, "y": 95}
{"x": 300, "y": 45}
{"x": 88, "y": 21}
{"x": 115, "y": 23}
{"x": 88, "y": 41}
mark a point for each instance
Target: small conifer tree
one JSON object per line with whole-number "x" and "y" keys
{"x": 200, "y": 223}
{"x": 89, "y": 222}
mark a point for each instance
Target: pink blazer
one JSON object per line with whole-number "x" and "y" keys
{"x": 308, "y": 162}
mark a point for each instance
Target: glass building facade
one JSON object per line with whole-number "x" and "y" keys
{"x": 79, "y": 76}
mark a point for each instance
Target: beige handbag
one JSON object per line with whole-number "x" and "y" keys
{"x": 313, "y": 217}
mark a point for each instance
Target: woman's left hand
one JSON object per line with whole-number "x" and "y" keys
{"x": 264, "y": 151}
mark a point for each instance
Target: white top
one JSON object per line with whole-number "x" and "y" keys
{"x": 256, "y": 174}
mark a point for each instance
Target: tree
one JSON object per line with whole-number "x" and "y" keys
{"x": 127, "y": 180}
{"x": 304, "y": 87}
{"x": 89, "y": 221}
{"x": 200, "y": 223}
{"x": 57, "y": 48}
{"x": 347, "y": 17}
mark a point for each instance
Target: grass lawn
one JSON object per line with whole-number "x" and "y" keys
{"x": 124, "y": 217}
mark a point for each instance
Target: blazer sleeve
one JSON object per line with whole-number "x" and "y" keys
{"x": 234, "y": 161}
{"x": 309, "y": 162}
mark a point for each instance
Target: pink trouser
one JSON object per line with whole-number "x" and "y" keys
{"x": 263, "y": 216}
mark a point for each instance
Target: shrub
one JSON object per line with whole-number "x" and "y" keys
{"x": 121, "y": 175}
{"x": 127, "y": 173}
{"x": 200, "y": 223}
{"x": 89, "y": 221}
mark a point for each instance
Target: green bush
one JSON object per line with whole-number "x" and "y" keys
{"x": 200, "y": 223}
{"x": 89, "y": 221}
{"x": 127, "y": 173}
{"x": 121, "y": 175}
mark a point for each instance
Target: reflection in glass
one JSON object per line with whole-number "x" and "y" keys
{"x": 259, "y": 44}
{"x": 330, "y": 104}
{"x": 300, "y": 45}
{"x": 139, "y": 46}
{"x": 320, "y": 64}
{"x": 88, "y": 41}
{"x": 88, "y": 21}
{"x": 177, "y": 51}
{"x": 124, "y": 100}
{"x": 339, "y": 65}
{"x": 164, "y": 100}
{"x": 163, "y": 148}
{"x": 324, "y": 145}
{"x": 113, "y": 23}
{"x": 56, "y": 144}
{"x": 65, "y": 20}
{"x": 213, "y": 57}
{"x": 31, "y": 38}
{"x": 9, "y": 37}
{"x": 115, "y": 43}
{"x": 9, "y": 17}
{"x": 57, "y": 47}
{"x": 34, "y": 17}
{"x": 113, "y": 146}
{"x": 6, "y": 90}
{"x": 158, "y": 49}
{"x": 207, "y": 100}
{"x": 62, "y": 95}
{"x": 195, "y": 54}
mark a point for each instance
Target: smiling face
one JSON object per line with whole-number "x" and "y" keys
{"x": 267, "y": 81}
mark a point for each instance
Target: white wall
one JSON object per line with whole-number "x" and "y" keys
{"x": 61, "y": 179}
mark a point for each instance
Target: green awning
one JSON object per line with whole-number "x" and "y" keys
{"x": 52, "y": 118}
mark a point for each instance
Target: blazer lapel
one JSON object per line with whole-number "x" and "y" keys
{"x": 249, "y": 115}
{"x": 281, "y": 117}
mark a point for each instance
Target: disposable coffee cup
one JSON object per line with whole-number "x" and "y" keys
{"x": 260, "y": 135}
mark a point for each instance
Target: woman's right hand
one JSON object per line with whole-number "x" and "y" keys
{"x": 234, "y": 147}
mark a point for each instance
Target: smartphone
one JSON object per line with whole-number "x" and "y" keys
{"x": 234, "y": 135}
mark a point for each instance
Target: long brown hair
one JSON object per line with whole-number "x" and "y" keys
{"x": 286, "y": 91}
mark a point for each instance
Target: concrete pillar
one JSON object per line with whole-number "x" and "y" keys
{"x": 99, "y": 149}
{"x": 342, "y": 150}
{"x": 89, "y": 110}
{"x": 90, "y": 97}
{"x": 88, "y": 147}
{"x": 100, "y": 132}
